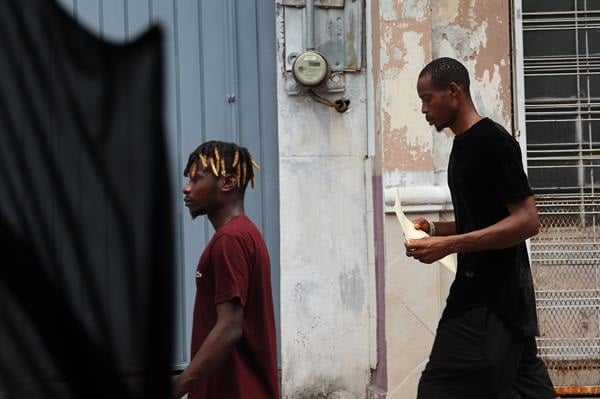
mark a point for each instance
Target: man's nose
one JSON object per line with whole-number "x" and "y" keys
{"x": 423, "y": 109}
{"x": 186, "y": 189}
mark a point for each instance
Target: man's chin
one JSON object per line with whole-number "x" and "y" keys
{"x": 439, "y": 128}
{"x": 194, "y": 214}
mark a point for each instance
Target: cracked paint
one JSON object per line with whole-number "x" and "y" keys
{"x": 447, "y": 12}
{"x": 415, "y": 9}
{"x": 488, "y": 94}
{"x": 388, "y": 11}
{"x": 412, "y": 32}
{"x": 478, "y": 37}
{"x": 405, "y": 49}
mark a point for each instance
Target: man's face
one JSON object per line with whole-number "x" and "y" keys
{"x": 201, "y": 192}
{"x": 438, "y": 105}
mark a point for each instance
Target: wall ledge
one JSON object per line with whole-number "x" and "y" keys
{"x": 419, "y": 199}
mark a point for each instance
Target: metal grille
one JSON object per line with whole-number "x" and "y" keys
{"x": 562, "y": 111}
{"x": 566, "y": 269}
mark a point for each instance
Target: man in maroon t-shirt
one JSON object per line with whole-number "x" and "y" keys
{"x": 233, "y": 334}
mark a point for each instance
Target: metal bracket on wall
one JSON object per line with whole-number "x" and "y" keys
{"x": 318, "y": 3}
{"x": 335, "y": 84}
{"x": 338, "y": 34}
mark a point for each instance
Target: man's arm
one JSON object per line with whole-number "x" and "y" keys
{"x": 441, "y": 228}
{"x": 521, "y": 223}
{"x": 215, "y": 348}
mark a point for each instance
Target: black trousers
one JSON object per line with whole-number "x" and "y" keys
{"x": 475, "y": 356}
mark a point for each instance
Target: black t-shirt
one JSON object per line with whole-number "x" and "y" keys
{"x": 485, "y": 173}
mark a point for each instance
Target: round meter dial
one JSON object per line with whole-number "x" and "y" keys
{"x": 311, "y": 68}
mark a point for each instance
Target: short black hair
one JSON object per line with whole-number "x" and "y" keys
{"x": 221, "y": 159}
{"x": 444, "y": 71}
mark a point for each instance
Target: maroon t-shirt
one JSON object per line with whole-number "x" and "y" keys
{"x": 235, "y": 266}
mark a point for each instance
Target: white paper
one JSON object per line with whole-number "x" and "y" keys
{"x": 413, "y": 234}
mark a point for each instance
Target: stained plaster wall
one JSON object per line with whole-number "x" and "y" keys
{"x": 327, "y": 340}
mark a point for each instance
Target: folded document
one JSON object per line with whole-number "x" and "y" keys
{"x": 412, "y": 234}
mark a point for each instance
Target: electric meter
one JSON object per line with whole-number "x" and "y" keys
{"x": 311, "y": 68}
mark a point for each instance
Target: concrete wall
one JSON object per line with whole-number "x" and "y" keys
{"x": 326, "y": 169}
{"x": 326, "y": 289}
{"x": 409, "y": 34}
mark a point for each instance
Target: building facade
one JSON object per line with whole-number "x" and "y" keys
{"x": 356, "y": 316}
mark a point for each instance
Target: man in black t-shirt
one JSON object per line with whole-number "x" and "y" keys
{"x": 485, "y": 342}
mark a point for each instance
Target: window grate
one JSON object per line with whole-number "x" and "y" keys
{"x": 561, "y": 63}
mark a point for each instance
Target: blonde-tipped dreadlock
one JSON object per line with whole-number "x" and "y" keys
{"x": 238, "y": 173}
{"x": 223, "y": 159}
{"x": 204, "y": 161}
{"x": 213, "y": 166}
{"x": 236, "y": 158}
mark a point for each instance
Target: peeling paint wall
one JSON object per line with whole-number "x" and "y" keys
{"x": 326, "y": 285}
{"x": 412, "y": 33}
{"x": 477, "y": 33}
{"x": 405, "y": 36}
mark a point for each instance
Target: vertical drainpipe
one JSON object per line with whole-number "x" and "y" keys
{"x": 379, "y": 380}
{"x": 310, "y": 24}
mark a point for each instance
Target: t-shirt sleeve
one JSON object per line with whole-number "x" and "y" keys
{"x": 506, "y": 170}
{"x": 231, "y": 269}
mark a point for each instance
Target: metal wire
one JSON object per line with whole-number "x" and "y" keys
{"x": 566, "y": 269}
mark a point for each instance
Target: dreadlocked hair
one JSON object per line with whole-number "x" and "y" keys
{"x": 223, "y": 159}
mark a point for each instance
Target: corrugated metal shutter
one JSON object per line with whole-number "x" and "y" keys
{"x": 220, "y": 84}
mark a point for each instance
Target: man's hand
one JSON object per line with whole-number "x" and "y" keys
{"x": 429, "y": 249}
{"x": 216, "y": 347}
{"x": 521, "y": 223}
{"x": 422, "y": 224}
{"x": 441, "y": 228}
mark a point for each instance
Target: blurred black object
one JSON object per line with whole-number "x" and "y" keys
{"x": 85, "y": 224}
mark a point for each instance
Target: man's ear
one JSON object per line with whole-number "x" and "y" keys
{"x": 454, "y": 89}
{"x": 229, "y": 182}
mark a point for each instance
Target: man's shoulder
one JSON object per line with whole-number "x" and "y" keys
{"x": 494, "y": 129}
{"x": 495, "y": 136}
{"x": 239, "y": 229}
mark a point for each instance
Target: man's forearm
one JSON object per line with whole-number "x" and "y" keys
{"x": 508, "y": 232}
{"x": 445, "y": 228}
{"x": 218, "y": 344}
{"x": 521, "y": 223}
